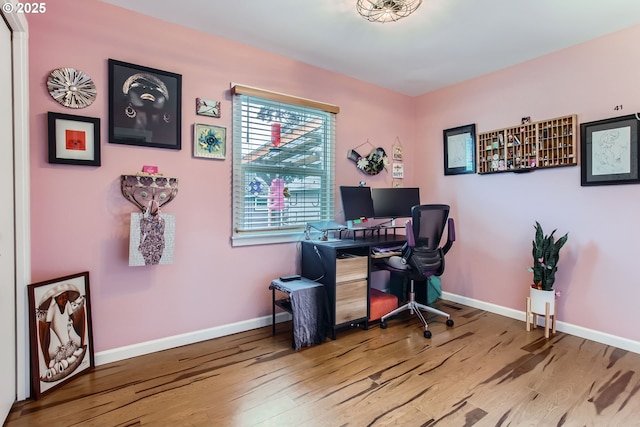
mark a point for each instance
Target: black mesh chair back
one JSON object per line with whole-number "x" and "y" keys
{"x": 426, "y": 257}
{"x": 429, "y": 222}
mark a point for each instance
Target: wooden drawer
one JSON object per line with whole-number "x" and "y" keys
{"x": 351, "y": 268}
{"x": 351, "y": 300}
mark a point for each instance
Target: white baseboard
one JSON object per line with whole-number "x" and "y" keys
{"x": 568, "y": 328}
{"x": 140, "y": 349}
{"x": 143, "y": 348}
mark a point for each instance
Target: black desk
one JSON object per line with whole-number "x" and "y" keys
{"x": 344, "y": 268}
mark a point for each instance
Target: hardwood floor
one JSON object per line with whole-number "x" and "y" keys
{"x": 485, "y": 371}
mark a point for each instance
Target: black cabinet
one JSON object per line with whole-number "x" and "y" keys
{"x": 344, "y": 268}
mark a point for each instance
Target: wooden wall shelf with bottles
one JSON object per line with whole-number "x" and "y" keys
{"x": 534, "y": 145}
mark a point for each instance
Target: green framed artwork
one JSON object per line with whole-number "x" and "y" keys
{"x": 209, "y": 141}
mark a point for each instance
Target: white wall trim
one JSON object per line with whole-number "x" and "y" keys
{"x": 20, "y": 46}
{"x": 568, "y": 328}
{"x": 143, "y": 348}
{"x": 140, "y": 349}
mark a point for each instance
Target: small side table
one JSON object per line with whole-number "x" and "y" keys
{"x": 307, "y": 304}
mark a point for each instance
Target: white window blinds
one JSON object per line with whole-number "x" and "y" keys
{"x": 283, "y": 165}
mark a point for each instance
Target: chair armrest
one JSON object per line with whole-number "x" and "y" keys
{"x": 407, "y": 249}
{"x": 408, "y": 228}
{"x": 451, "y": 236}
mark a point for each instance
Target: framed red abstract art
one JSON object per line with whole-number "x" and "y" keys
{"x": 74, "y": 140}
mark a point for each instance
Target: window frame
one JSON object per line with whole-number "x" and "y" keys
{"x": 296, "y": 233}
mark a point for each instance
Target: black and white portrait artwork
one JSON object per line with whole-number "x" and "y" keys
{"x": 144, "y": 106}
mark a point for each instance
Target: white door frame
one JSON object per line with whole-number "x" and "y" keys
{"x": 20, "y": 45}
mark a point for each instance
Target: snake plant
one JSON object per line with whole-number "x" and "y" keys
{"x": 546, "y": 253}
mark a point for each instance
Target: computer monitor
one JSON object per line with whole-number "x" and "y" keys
{"x": 356, "y": 203}
{"x": 394, "y": 202}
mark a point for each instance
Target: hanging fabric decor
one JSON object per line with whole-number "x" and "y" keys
{"x": 151, "y": 237}
{"x": 371, "y": 164}
{"x": 276, "y": 195}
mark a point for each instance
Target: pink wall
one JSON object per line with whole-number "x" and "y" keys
{"x": 598, "y": 274}
{"x": 80, "y": 221}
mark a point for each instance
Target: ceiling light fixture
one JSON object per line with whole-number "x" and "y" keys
{"x": 386, "y": 10}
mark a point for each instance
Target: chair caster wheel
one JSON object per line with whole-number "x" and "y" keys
{"x": 427, "y": 334}
{"x": 383, "y": 325}
{"x": 449, "y": 322}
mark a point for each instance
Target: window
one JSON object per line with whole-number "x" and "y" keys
{"x": 283, "y": 165}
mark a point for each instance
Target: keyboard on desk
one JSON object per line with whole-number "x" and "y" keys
{"x": 386, "y": 250}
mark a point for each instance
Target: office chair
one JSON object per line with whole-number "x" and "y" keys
{"x": 422, "y": 257}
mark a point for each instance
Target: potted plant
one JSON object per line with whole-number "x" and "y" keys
{"x": 546, "y": 253}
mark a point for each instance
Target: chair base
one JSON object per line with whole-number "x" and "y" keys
{"x": 416, "y": 308}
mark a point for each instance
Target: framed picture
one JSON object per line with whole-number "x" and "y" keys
{"x": 59, "y": 331}
{"x": 397, "y": 150}
{"x": 460, "y": 150}
{"x": 207, "y": 107}
{"x": 209, "y": 141}
{"x": 74, "y": 140}
{"x": 144, "y": 106}
{"x": 609, "y": 151}
{"x": 397, "y": 170}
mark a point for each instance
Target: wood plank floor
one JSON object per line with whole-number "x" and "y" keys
{"x": 485, "y": 371}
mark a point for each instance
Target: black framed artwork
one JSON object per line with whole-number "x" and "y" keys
{"x": 74, "y": 140}
{"x": 144, "y": 106}
{"x": 60, "y": 331}
{"x": 609, "y": 151}
{"x": 460, "y": 150}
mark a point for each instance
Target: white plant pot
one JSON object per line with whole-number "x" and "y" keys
{"x": 539, "y": 298}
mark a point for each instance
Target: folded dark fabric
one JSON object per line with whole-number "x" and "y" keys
{"x": 309, "y": 310}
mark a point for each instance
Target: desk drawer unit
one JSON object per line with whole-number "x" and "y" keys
{"x": 351, "y": 300}
{"x": 351, "y": 288}
{"x": 351, "y": 268}
{"x": 343, "y": 267}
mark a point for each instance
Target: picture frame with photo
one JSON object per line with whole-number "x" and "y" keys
{"x": 460, "y": 150}
{"x": 609, "y": 151}
{"x": 209, "y": 141}
{"x": 208, "y": 107}
{"x": 60, "y": 331}
{"x": 73, "y": 140}
{"x": 145, "y": 106}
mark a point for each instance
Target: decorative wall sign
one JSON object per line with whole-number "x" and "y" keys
{"x": 207, "y": 107}
{"x": 59, "y": 331}
{"x": 460, "y": 150}
{"x": 609, "y": 151}
{"x": 209, "y": 141}
{"x": 397, "y": 171}
{"x": 144, "y": 106}
{"x": 71, "y": 88}
{"x": 74, "y": 140}
{"x": 397, "y": 150}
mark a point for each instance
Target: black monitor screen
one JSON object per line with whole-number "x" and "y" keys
{"x": 394, "y": 202}
{"x": 356, "y": 202}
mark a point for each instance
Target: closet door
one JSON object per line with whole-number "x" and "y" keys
{"x": 7, "y": 235}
